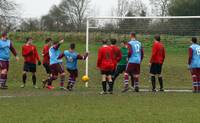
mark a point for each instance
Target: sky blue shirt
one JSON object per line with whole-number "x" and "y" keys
{"x": 71, "y": 59}
{"x": 195, "y": 62}
{"x": 5, "y": 50}
{"x": 136, "y": 52}
{"x": 54, "y": 54}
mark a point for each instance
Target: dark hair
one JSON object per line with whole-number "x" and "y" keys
{"x": 133, "y": 34}
{"x": 157, "y": 37}
{"x": 55, "y": 42}
{"x": 194, "y": 40}
{"x": 104, "y": 41}
{"x": 28, "y": 38}
{"x": 3, "y": 34}
{"x": 48, "y": 40}
{"x": 113, "y": 41}
{"x": 72, "y": 46}
{"x": 123, "y": 41}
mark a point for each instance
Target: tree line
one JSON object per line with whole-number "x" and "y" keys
{"x": 70, "y": 15}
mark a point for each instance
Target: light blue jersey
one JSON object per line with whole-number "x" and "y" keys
{"x": 54, "y": 54}
{"x": 5, "y": 50}
{"x": 195, "y": 62}
{"x": 136, "y": 52}
{"x": 71, "y": 59}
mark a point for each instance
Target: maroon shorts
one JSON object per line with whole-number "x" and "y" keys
{"x": 4, "y": 65}
{"x": 195, "y": 71}
{"x": 57, "y": 69}
{"x": 73, "y": 73}
{"x": 133, "y": 68}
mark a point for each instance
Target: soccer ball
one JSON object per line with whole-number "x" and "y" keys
{"x": 85, "y": 78}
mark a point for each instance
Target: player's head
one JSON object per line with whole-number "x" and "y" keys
{"x": 157, "y": 37}
{"x": 194, "y": 40}
{"x": 29, "y": 40}
{"x": 48, "y": 41}
{"x": 4, "y": 35}
{"x": 72, "y": 46}
{"x": 132, "y": 35}
{"x": 123, "y": 43}
{"x": 113, "y": 41}
{"x": 55, "y": 42}
{"x": 104, "y": 42}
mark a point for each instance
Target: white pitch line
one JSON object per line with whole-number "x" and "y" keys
{"x": 178, "y": 91}
{"x": 6, "y": 97}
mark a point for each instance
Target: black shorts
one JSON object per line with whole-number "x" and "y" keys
{"x": 29, "y": 67}
{"x": 120, "y": 69}
{"x": 107, "y": 73}
{"x": 47, "y": 68}
{"x": 57, "y": 69}
{"x": 156, "y": 68}
{"x": 73, "y": 73}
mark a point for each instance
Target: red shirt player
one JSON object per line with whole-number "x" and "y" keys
{"x": 30, "y": 54}
{"x": 116, "y": 52}
{"x": 106, "y": 66}
{"x": 46, "y": 59}
{"x": 156, "y": 62}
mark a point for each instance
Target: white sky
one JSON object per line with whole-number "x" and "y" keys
{"x": 37, "y": 8}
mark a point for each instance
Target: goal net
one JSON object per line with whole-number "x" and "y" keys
{"x": 176, "y": 34}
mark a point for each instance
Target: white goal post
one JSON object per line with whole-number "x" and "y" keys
{"x": 88, "y": 27}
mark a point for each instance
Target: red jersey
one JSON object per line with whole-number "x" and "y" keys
{"x": 158, "y": 53}
{"x": 30, "y": 54}
{"x": 105, "y": 58}
{"x": 116, "y": 54}
{"x": 45, "y": 54}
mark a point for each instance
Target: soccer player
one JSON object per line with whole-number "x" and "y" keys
{"x": 5, "y": 48}
{"x": 30, "y": 54}
{"x": 105, "y": 63}
{"x": 56, "y": 65}
{"x": 72, "y": 58}
{"x": 135, "y": 55}
{"x": 156, "y": 62}
{"x": 116, "y": 53}
{"x": 121, "y": 66}
{"x": 46, "y": 59}
{"x": 194, "y": 64}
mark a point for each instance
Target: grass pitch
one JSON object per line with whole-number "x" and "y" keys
{"x": 85, "y": 105}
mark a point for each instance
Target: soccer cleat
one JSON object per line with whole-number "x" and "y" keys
{"x": 153, "y": 90}
{"x": 137, "y": 89}
{"x": 103, "y": 93}
{"x": 35, "y": 86}
{"x": 44, "y": 82}
{"x": 161, "y": 90}
{"x": 126, "y": 88}
{"x": 22, "y": 86}
{"x": 50, "y": 87}
{"x": 63, "y": 88}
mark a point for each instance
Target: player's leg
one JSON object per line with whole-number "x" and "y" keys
{"x": 126, "y": 80}
{"x": 104, "y": 83}
{"x": 73, "y": 76}
{"x": 110, "y": 83}
{"x": 116, "y": 73}
{"x": 54, "y": 76}
{"x": 153, "y": 76}
{"x": 194, "y": 80}
{"x": 34, "y": 79}
{"x": 136, "y": 82}
{"x": 3, "y": 79}
{"x": 198, "y": 79}
{"x": 48, "y": 71}
{"x": 62, "y": 75}
{"x": 160, "y": 78}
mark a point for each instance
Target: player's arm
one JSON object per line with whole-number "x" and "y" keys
{"x": 14, "y": 52}
{"x": 190, "y": 56}
{"x": 142, "y": 53}
{"x": 119, "y": 55}
{"x": 61, "y": 56}
{"x": 130, "y": 51}
{"x": 56, "y": 47}
{"x": 163, "y": 54}
{"x": 37, "y": 55}
{"x": 45, "y": 51}
{"x": 154, "y": 51}
{"x": 99, "y": 60}
{"x": 84, "y": 57}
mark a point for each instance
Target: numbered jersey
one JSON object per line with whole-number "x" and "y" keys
{"x": 195, "y": 62}
{"x": 136, "y": 55}
{"x": 54, "y": 54}
{"x": 71, "y": 59}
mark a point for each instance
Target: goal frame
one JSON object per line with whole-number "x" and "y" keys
{"x": 116, "y": 17}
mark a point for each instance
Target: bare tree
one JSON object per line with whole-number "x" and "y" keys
{"x": 7, "y": 7}
{"x": 160, "y": 7}
{"x": 76, "y": 10}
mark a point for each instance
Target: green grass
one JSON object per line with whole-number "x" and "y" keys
{"x": 84, "y": 105}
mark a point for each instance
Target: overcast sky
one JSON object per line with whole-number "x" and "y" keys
{"x": 37, "y": 8}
